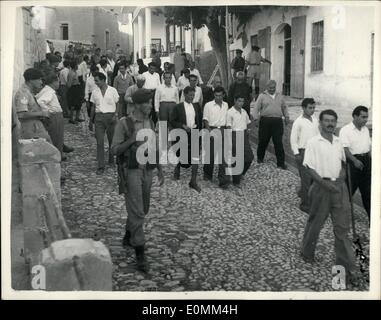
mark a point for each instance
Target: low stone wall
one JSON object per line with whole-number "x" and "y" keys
{"x": 63, "y": 263}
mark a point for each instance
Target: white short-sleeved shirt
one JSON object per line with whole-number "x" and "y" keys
{"x": 152, "y": 80}
{"x": 215, "y": 114}
{"x": 302, "y": 130}
{"x": 190, "y": 114}
{"x": 324, "y": 157}
{"x": 47, "y": 99}
{"x": 357, "y": 141}
{"x": 106, "y": 103}
{"x": 237, "y": 120}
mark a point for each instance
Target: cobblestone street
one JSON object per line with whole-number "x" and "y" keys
{"x": 236, "y": 239}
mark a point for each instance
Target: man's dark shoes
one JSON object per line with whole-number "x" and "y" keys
{"x": 79, "y": 120}
{"x": 195, "y": 186}
{"x": 176, "y": 173}
{"x": 208, "y": 178}
{"x": 67, "y": 149}
{"x": 353, "y": 278}
{"x": 100, "y": 171}
{"x": 126, "y": 239}
{"x": 304, "y": 209}
{"x": 283, "y": 167}
{"x": 141, "y": 262}
{"x": 260, "y": 161}
{"x": 310, "y": 259}
{"x": 223, "y": 185}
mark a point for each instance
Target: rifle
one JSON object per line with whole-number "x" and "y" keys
{"x": 356, "y": 238}
{"x": 122, "y": 173}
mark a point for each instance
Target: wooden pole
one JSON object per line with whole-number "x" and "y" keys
{"x": 229, "y": 79}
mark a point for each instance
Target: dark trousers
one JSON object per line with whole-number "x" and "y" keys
{"x": 137, "y": 196}
{"x": 270, "y": 127}
{"x": 121, "y": 106}
{"x": 208, "y": 168}
{"x": 323, "y": 203}
{"x": 55, "y": 127}
{"x": 104, "y": 123}
{"x": 248, "y": 155}
{"x": 305, "y": 181}
{"x": 362, "y": 179}
{"x": 153, "y": 112}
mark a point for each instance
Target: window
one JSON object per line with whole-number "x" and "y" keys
{"x": 317, "y": 46}
{"x": 107, "y": 39}
{"x": 254, "y": 40}
{"x": 65, "y": 31}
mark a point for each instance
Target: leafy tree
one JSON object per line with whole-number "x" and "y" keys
{"x": 213, "y": 17}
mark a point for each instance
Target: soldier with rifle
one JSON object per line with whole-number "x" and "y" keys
{"x": 135, "y": 177}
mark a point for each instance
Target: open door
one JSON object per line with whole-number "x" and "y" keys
{"x": 264, "y": 42}
{"x": 298, "y": 42}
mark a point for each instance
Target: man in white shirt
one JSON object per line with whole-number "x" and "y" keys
{"x": 215, "y": 118}
{"x": 237, "y": 119}
{"x": 152, "y": 83}
{"x": 357, "y": 145}
{"x": 167, "y": 69}
{"x": 104, "y": 98}
{"x": 304, "y": 128}
{"x": 194, "y": 71}
{"x": 183, "y": 80}
{"x": 198, "y": 98}
{"x": 89, "y": 87}
{"x": 105, "y": 68}
{"x": 166, "y": 97}
{"x": 152, "y": 78}
{"x": 62, "y": 92}
{"x": 48, "y": 101}
{"x": 325, "y": 159}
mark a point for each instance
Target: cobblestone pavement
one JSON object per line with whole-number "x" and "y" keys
{"x": 237, "y": 239}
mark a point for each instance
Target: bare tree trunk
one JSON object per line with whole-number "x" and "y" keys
{"x": 218, "y": 42}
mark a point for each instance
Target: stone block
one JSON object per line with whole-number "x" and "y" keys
{"x": 77, "y": 264}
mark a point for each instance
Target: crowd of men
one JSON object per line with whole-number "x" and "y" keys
{"x": 122, "y": 99}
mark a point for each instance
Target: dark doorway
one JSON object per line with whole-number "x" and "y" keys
{"x": 287, "y": 60}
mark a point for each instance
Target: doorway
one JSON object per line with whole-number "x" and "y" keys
{"x": 287, "y": 60}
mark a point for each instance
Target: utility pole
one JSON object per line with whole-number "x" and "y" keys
{"x": 192, "y": 35}
{"x": 229, "y": 79}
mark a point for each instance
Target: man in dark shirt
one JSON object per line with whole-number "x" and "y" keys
{"x": 240, "y": 88}
{"x": 238, "y": 63}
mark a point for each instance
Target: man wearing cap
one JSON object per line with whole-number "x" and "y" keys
{"x": 325, "y": 160}
{"x": 28, "y": 110}
{"x": 357, "y": 145}
{"x": 269, "y": 109}
{"x": 238, "y": 63}
{"x": 304, "y": 128}
{"x": 137, "y": 176}
{"x": 104, "y": 98}
{"x": 254, "y": 61}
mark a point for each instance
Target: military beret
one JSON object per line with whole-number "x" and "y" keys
{"x": 32, "y": 74}
{"x": 141, "y": 95}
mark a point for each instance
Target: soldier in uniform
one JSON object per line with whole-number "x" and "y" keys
{"x": 136, "y": 177}
{"x": 28, "y": 111}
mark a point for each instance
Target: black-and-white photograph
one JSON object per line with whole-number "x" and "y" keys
{"x": 219, "y": 148}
